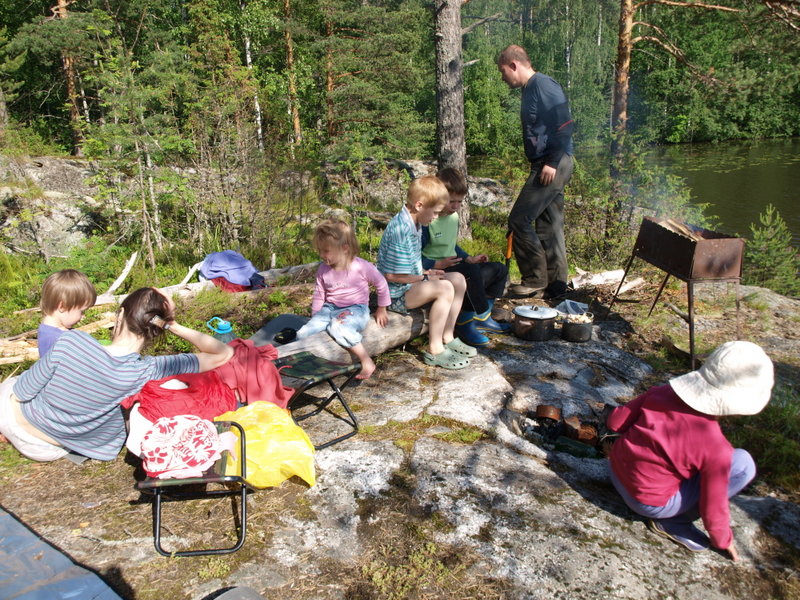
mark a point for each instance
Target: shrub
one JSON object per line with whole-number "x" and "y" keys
{"x": 770, "y": 259}
{"x": 772, "y": 437}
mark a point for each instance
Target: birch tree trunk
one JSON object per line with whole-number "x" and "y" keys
{"x": 248, "y": 62}
{"x": 3, "y": 114}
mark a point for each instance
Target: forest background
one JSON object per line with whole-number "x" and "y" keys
{"x": 257, "y": 94}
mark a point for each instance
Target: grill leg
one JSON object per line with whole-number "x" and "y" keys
{"x": 658, "y": 295}
{"x": 738, "y": 333}
{"x": 690, "y": 295}
{"x": 619, "y": 287}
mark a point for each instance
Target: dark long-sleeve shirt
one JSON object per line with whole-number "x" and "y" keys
{"x": 546, "y": 120}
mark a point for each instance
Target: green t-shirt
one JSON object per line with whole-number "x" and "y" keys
{"x": 442, "y": 237}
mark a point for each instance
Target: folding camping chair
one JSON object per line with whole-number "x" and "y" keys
{"x": 304, "y": 371}
{"x": 196, "y": 488}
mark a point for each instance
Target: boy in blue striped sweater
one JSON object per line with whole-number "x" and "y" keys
{"x": 410, "y": 286}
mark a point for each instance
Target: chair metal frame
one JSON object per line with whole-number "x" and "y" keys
{"x": 304, "y": 383}
{"x": 162, "y": 491}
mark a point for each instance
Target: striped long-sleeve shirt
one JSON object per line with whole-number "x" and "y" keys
{"x": 73, "y": 393}
{"x": 400, "y": 250}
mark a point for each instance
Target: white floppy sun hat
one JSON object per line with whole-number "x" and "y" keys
{"x": 736, "y": 379}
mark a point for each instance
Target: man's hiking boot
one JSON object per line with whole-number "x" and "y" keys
{"x": 520, "y": 290}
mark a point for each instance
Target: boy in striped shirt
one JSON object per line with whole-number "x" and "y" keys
{"x": 400, "y": 261}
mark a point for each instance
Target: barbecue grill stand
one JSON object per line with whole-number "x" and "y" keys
{"x": 690, "y": 253}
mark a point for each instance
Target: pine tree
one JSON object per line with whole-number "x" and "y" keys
{"x": 770, "y": 259}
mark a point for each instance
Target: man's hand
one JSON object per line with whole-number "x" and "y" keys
{"x": 446, "y": 263}
{"x": 547, "y": 175}
{"x": 478, "y": 258}
{"x": 381, "y": 316}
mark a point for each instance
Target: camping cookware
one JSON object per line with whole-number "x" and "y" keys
{"x": 534, "y": 323}
{"x": 577, "y": 328}
{"x": 548, "y": 411}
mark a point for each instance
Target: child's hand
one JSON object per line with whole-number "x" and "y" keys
{"x": 446, "y": 263}
{"x": 435, "y": 274}
{"x": 478, "y": 258}
{"x": 381, "y": 316}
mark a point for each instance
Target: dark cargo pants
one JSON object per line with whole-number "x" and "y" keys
{"x": 537, "y": 221}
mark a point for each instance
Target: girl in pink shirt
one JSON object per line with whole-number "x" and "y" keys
{"x": 672, "y": 462}
{"x": 340, "y": 304}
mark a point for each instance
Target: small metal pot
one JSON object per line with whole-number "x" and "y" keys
{"x": 548, "y": 411}
{"x": 534, "y": 323}
{"x": 575, "y": 331}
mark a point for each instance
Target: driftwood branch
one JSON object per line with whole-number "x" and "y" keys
{"x": 630, "y": 285}
{"x": 118, "y": 281}
{"x": 19, "y": 348}
{"x": 677, "y": 311}
{"x": 195, "y": 268}
{"x": 187, "y": 290}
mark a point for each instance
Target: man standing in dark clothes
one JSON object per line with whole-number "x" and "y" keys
{"x": 537, "y": 217}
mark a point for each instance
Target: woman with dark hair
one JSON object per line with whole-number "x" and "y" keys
{"x": 69, "y": 400}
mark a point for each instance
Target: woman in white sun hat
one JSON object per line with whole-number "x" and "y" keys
{"x": 672, "y": 464}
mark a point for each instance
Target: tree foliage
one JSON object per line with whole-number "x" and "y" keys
{"x": 240, "y": 92}
{"x": 770, "y": 259}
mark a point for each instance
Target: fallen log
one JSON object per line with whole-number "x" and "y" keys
{"x": 399, "y": 330}
{"x": 187, "y": 290}
{"x": 630, "y": 285}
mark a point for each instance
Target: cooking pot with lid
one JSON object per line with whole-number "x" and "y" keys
{"x": 534, "y": 323}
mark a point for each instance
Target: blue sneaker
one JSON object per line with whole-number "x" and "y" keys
{"x": 489, "y": 325}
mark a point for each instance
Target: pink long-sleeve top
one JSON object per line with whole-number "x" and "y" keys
{"x": 664, "y": 442}
{"x": 348, "y": 287}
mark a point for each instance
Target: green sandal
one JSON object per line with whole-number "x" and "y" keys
{"x": 456, "y": 345}
{"x": 448, "y": 359}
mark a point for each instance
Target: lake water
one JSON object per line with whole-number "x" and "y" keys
{"x": 738, "y": 180}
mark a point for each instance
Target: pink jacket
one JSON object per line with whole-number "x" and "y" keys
{"x": 664, "y": 442}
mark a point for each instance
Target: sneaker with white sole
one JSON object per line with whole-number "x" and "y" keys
{"x": 685, "y": 534}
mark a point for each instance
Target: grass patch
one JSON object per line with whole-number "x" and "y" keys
{"x": 12, "y": 464}
{"x": 756, "y": 301}
{"x": 423, "y": 567}
{"x": 214, "y": 567}
{"x": 772, "y": 437}
{"x": 462, "y": 435}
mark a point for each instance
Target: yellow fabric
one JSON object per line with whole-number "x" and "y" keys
{"x": 277, "y": 448}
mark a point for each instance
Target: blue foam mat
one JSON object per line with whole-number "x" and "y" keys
{"x": 32, "y": 569}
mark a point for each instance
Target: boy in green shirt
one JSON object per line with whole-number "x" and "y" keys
{"x": 485, "y": 280}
